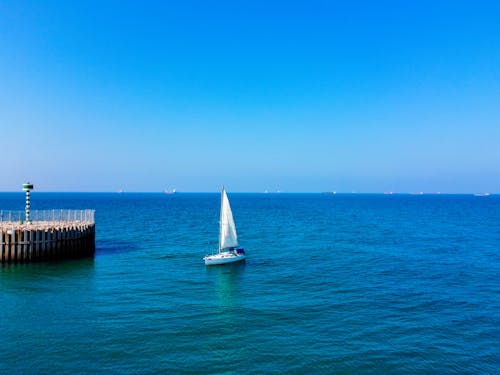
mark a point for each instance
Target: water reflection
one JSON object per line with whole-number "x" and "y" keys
{"x": 19, "y": 275}
{"x": 227, "y": 282}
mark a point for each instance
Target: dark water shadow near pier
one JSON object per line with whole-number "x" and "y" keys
{"x": 103, "y": 248}
{"x": 21, "y": 273}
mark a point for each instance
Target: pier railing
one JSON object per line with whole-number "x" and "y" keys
{"x": 86, "y": 216}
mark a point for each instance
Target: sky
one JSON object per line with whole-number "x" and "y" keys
{"x": 296, "y": 96}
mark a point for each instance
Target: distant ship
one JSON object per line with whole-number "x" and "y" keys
{"x": 481, "y": 194}
{"x": 329, "y": 192}
{"x": 171, "y": 191}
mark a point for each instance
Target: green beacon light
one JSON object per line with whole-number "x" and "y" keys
{"x": 27, "y": 187}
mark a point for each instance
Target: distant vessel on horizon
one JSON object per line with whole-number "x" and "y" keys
{"x": 481, "y": 194}
{"x": 171, "y": 191}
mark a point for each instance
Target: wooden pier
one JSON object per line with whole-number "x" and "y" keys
{"x": 51, "y": 235}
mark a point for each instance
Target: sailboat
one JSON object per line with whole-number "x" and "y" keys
{"x": 228, "y": 239}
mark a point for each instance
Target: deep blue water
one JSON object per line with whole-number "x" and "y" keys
{"x": 332, "y": 284}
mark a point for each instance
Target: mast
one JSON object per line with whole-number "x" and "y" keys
{"x": 220, "y": 215}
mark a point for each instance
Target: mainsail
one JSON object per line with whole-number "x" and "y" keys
{"x": 228, "y": 237}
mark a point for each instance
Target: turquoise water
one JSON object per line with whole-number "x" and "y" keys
{"x": 332, "y": 284}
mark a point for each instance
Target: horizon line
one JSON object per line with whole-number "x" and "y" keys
{"x": 253, "y": 192}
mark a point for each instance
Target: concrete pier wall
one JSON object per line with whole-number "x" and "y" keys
{"x": 46, "y": 240}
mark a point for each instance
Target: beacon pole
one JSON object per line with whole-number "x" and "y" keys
{"x": 27, "y": 187}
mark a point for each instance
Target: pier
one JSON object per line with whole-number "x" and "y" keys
{"x": 46, "y": 235}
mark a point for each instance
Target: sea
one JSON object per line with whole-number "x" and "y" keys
{"x": 344, "y": 283}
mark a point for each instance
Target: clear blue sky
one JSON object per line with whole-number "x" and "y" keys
{"x": 365, "y": 96}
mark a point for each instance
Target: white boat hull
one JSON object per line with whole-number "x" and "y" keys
{"x": 223, "y": 258}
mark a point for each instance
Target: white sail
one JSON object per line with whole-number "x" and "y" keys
{"x": 227, "y": 236}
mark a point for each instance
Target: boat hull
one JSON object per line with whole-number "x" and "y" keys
{"x": 223, "y": 258}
